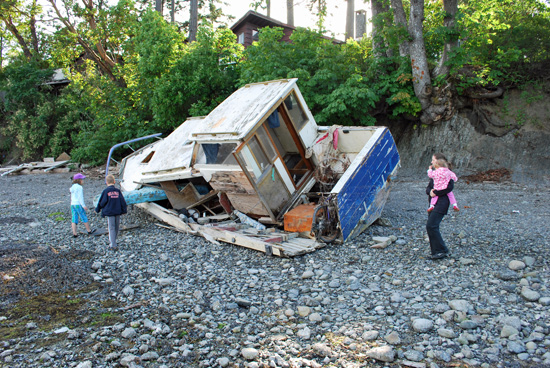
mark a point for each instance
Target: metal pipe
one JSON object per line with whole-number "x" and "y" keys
{"x": 122, "y": 144}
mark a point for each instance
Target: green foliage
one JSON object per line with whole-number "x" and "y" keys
{"x": 342, "y": 84}
{"x": 30, "y": 114}
{"x": 199, "y": 80}
{"x": 495, "y": 37}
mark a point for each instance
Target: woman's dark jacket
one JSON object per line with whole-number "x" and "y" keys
{"x": 442, "y": 205}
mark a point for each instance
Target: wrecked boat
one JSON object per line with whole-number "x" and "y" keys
{"x": 259, "y": 172}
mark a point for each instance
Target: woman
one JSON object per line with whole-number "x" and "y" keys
{"x": 437, "y": 245}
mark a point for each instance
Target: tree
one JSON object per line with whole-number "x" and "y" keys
{"x": 290, "y": 12}
{"x": 349, "y": 19}
{"x": 341, "y": 83}
{"x": 20, "y": 20}
{"x": 193, "y": 20}
{"x": 319, "y": 8}
{"x": 436, "y": 102}
{"x": 99, "y": 30}
{"x": 159, "y": 6}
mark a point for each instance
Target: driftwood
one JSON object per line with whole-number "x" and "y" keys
{"x": 31, "y": 167}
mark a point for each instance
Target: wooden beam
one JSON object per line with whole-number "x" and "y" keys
{"x": 207, "y": 197}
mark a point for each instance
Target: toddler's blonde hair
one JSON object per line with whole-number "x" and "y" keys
{"x": 110, "y": 179}
{"x": 442, "y": 163}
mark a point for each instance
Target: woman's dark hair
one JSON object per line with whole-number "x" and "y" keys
{"x": 440, "y": 156}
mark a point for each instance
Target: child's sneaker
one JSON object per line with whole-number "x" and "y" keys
{"x": 75, "y": 235}
{"x": 91, "y": 231}
{"x": 430, "y": 209}
{"x": 455, "y": 207}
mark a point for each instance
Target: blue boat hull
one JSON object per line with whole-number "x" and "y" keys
{"x": 362, "y": 198}
{"x": 142, "y": 195}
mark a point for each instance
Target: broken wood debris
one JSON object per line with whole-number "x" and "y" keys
{"x": 36, "y": 167}
{"x": 272, "y": 242}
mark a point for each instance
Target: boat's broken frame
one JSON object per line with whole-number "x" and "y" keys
{"x": 260, "y": 153}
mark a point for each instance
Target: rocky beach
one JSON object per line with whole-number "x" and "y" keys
{"x": 169, "y": 299}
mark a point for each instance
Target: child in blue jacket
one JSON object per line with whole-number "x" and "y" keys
{"x": 112, "y": 205}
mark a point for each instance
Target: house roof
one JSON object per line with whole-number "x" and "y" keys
{"x": 259, "y": 19}
{"x": 58, "y": 78}
{"x": 264, "y": 21}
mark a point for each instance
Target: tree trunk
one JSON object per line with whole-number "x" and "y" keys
{"x": 193, "y": 20}
{"x": 420, "y": 69}
{"x": 290, "y": 12}
{"x": 377, "y": 37}
{"x": 268, "y": 6}
{"x": 401, "y": 21}
{"x": 379, "y": 7}
{"x": 159, "y": 6}
{"x": 437, "y": 103}
{"x": 20, "y": 40}
{"x": 173, "y": 11}
{"x": 450, "y": 23}
{"x": 350, "y": 19}
{"x": 32, "y": 26}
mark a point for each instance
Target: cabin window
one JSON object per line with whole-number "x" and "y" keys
{"x": 147, "y": 159}
{"x": 266, "y": 144}
{"x": 240, "y": 38}
{"x": 216, "y": 154}
{"x": 296, "y": 112}
{"x": 255, "y": 35}
{"x": 254, "y": 157}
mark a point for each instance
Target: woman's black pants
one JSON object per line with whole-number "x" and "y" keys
{"x": 437, "y": 244}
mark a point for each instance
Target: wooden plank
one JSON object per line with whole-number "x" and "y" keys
{"x": 248, "y": 204}
{"x": 180, "y": 199}
{"x": 196, "y": 134}
{"x": 16, "y": 169}
{"x": 269, "y": 221}
{"x": 239, "y": 239}
{"x": 207, "y": 197}
{"x": 56, "y": 165}
{"x": 231, "y": 182}
{"x": 176, "y": 229}
{"x": 166, "y": 216}
{"x": 172, "y": 219}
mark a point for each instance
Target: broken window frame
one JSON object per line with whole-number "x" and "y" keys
{"x": 297, "y": 125}
{"x": 283, "y": 110}
{"x": 201, "y": 152}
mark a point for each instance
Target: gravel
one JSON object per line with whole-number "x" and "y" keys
{"x": 167, "y": 299}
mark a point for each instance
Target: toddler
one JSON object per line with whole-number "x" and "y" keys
{"x": 441, "y": 176}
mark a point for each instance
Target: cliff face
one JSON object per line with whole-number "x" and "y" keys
{"x": 511, "y": 132}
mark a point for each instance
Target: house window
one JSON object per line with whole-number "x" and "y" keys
{"x": 255, "y": 35}
{"x": 240, "y": 38}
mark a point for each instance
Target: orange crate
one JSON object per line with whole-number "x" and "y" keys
{"x": 300, "y": 218}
